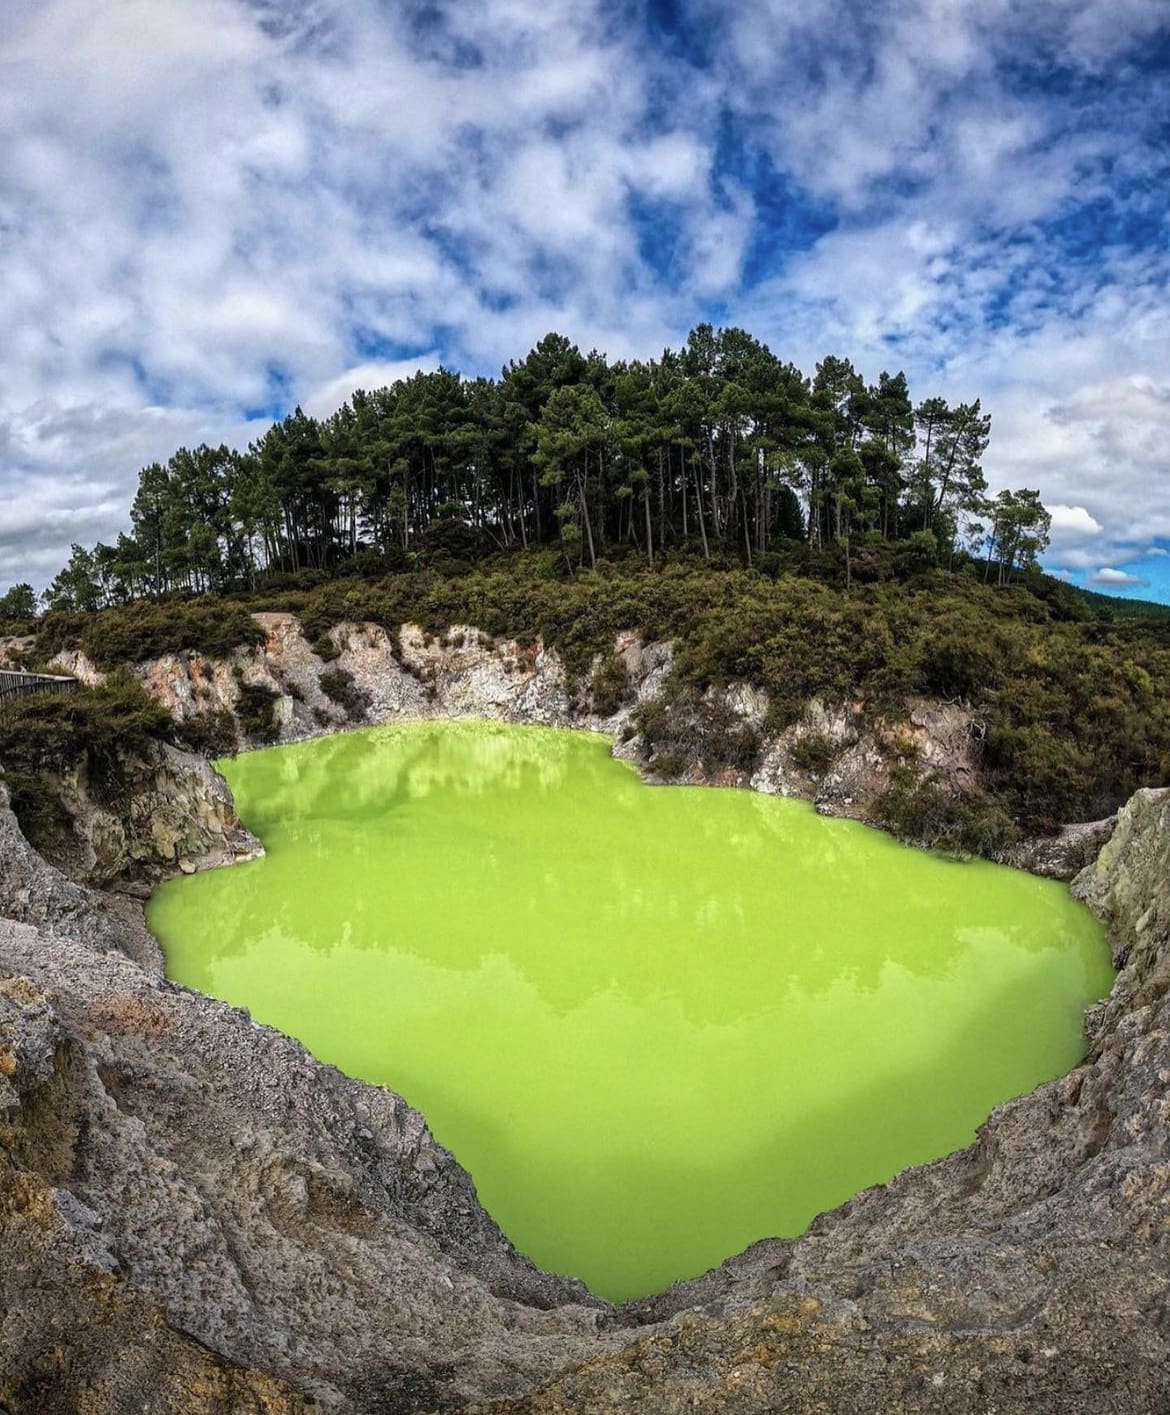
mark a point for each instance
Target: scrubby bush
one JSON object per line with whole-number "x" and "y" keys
{"x": 610, "y": 687}
{"x": 256, "y": 712}
{"x": 137, "y": 632}
{"x": 212, "y": 734}
{"x": 55, "y": 731}
{"x": 98, "y": 728}
{"x": 813, "y": 753}
{"x": 920, "y": 808}
{"x": 684, "y": 725}
{"x": 338, "y": 686}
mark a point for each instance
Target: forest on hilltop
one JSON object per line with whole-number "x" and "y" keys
{"x": 718, "y": 450}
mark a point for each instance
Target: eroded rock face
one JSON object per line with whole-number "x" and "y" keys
{"x": 1063, "y": 855}
{"x": 172, "y": 814}
{"x": 1128, "y": 887}
{"x": 862, "y": 754}
{"x": 59, "y": 1277}
{"x": 411, "y": 675}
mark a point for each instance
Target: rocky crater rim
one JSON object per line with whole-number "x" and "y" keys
{"x": 842, "y": 758}
{"x": 414, "y": 677}
{"x": 288, "y": 1239}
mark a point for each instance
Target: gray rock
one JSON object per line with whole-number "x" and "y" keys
{"x": 276, "y": 1212}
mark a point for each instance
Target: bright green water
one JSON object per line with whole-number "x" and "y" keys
{"x": 654, "y": 1024}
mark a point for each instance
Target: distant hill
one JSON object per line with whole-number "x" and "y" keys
{"x": 1118, "y": 608}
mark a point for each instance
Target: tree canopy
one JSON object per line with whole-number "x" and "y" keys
{"x": 716, "y": 449}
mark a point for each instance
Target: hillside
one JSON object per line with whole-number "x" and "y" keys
{"x": 1066, "y": 713}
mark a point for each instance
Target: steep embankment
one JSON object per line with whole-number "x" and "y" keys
{"x": 196, "y": 1216}
{"x": 846, "y": 761}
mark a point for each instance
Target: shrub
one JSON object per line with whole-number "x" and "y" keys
{"x": 813, "y": 753}
{"x": 693, "y": 728}
{"x": 146, "y": 630}
{"x": 212, "y": 734}
{"x": 43, "y": 737}
{"x": 256, "y": 712}
{"x": 339, "y": 687}
{"x": 669, "y": 765}
{"x": 918, "y": 808}
{"x": 54, "y": 732}
{"x": 611, "y": 685}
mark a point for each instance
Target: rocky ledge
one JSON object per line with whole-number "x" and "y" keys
{"x": 196, "y": 1216}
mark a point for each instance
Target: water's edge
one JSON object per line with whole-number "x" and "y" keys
{"x": 338, "y": 775}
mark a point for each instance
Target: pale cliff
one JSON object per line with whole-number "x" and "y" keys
{"x": 410, "y": 675}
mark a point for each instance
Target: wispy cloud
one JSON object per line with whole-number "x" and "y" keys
{"x": 213, "y": 209}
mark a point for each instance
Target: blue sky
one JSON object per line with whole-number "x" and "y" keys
{"x": 213, "y": 209}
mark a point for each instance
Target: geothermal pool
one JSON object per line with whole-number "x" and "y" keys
{"x": 655, "y": 1024}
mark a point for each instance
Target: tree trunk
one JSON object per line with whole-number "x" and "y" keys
{"x": 699, "y": 507}
{"x": 582, "y": 483}
{"x": 683, "y": 484}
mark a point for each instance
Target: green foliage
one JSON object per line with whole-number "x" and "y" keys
{"x": 684, "y": 725}
{"x": 813, "y": 752}
{"x": 76, "y": 588}
{"x": 212, "y": 734}
{"x": 959, "y": 657}
{"x": 339, "y": 687}
{"x": 138, "y": 632}
{"x": 1113, "y": 606}
{"x": 611, "y": 685}
{"x": 96, "y": 728}
{"x": 256, "y": 711}
{"x": 919, "y": 808}
{"x": 18, "y": 605}
{"x": 719, "y": 448}
{"x": 55, "y": 731}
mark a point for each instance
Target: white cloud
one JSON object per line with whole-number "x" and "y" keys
{"x": 215, "y": 206}
{"x": 1073, "y": 520}
{"x": 325, "y": 400}
{"x": 1109, "y": 578}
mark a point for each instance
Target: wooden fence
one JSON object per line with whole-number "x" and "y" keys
{"x": 30, "y": 685}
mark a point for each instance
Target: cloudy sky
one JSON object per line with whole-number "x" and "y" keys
{"x": 211, "y": 210}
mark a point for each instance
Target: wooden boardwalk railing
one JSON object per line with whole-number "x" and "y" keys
{"x": 28, "y": 685}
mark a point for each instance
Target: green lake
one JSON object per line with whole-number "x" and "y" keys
{"x": 655, "y": 1024}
